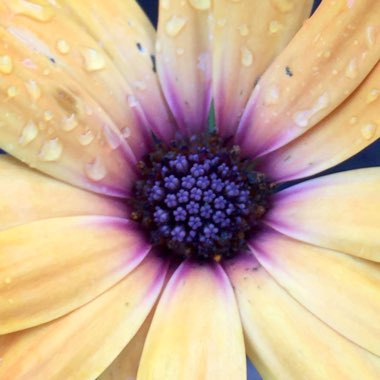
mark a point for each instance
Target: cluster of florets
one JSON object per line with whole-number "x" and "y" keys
{"x": 198, "y": 198}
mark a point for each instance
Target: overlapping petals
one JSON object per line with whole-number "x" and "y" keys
{"x": 83, "y": 343}
{"x": 339, "y": 212}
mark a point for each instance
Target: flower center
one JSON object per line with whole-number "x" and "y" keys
{"x": 197, "y": 198}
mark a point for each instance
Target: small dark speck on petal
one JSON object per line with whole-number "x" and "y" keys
{"x": 288, "y": 71}
{"x": 153, "y": 59}
{"x": 139, "y": 46}
{"x": 52, "y": 60}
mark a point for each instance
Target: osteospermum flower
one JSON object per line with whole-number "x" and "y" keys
{"x": 145, "y": 237}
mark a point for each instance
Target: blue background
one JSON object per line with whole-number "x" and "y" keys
{"x": 367, "y": 157}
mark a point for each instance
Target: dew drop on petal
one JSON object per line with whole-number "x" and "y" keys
{"x": 373, "y": 95}
{"x": 353, "y": 120}
{"x": 69, "y": 123}
{"x": 126, "y": 132}
{"x": 29, "y": 133}
{"x": 370, "y": 35}
{"x": 63, "y": 46}
{"x": 200, "y": 5}
{"x": 243, "y": 30}
{"x": 48, "y": 115}
{"x": 368, "y": 130}
{"x": 246, "y": 57}
{"x": 302, "y": 118}
{"x": 272, "y": 95}
{"x": 33, "y": 89}
{"x": 95, "y": 170}
{"x": 6, "y": 64}
{"x": 7, "y": 280}
{"x": 32, "y": 9}
{"x": 93, "y": 59}
{"x": 132, "y": 101}
{"x": 51, "y": 150}
{"x": 174, "y": 25}
{"x": 86, "y": 138}
{"x": 352, "y": 69}
{"x": 12, "y": 91}
{"x": 274, "y": 26}
{"x": 180, "y": 51}
{"x": 284, "y": 5}
{"x": 112, "y": 138}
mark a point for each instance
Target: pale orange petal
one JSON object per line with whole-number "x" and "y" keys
{"x": 349, "y": 129}
{"x": 285, "y": 341}
{"x": 50, "y": 267}
{"x": 126, "y": 365}
{"x": 196, "y": 331}
{"x": 338, "y": 211}
{"x": 325, "y": 62}
{"x": 128, "y": 38}
{"x": 341, "y": 290}
{"x": 82, "y": 344}
{"x": 27, "y": 195}
{"x": 247, "y": 35}
{"x": 184, "y": 61}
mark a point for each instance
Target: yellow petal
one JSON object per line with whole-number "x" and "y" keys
{"x": 128, "y": 37}
{"x": 247, "y": 35}
{"x": 50, "y": 267}
{"x": 285, "y": 341}
{"x": 65, "y": 49}
{"x": 349, "y": 129}
{"x": 27, "y": 195}
{"x": 82, "y": 344}
{"x": 50, "y": 119}
{"x": 126, "y": 365}
{"x": 196, "y": 331}
{"x": 184, "y": 61}
{"x": 328, "y": 58}
{"x": 341, "y": 290}
{"x": 338, "y": 211}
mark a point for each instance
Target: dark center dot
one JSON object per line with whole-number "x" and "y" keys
{"x": 198, "y": 198}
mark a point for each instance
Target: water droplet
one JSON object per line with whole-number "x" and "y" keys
{"x": 48, "y": 115}
{"x": 132, "y": 101}
{"x": 370, "y": 35}
{"x": 86, "y": 137}
{"x": 51, "y": 150}
{"x": 284, "y": 5}
{"x": 180, "y": 51}
{"x": 352, "y": 69}
{"x": 272, "y": 95}
{"x": 165, "y": 4}
{"x": 32, "y": 9}
{"x": 353, "y": 120}
{"x": 246, "y": 57}
{"x": 368, "y": 130}
{"x": 302, "y": 118}
{"x": 201, "y": 5}
{"x": 140, "y": 85}
{"x": 243, "y": 30}
{"x": 274, "y": 26}
{"x": 29, "y": 133}
{"x": 93, "y": 59}
{"x": 33, "y": 89}
{"x": 95, "y": 170}
{"x": 6, "y": 64}
{"x": 112, "y": 138}
{"x": 63, "y": 46}
{"x": 174, "y": 25}
{"x": 7, "y": 280}
{"x": 221, "y": 22}
{"x": 69, "y": 122}
{"x": 373, "y": 95}
{"x": 12, "y": 91}
{"x": 126, "y": 132}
